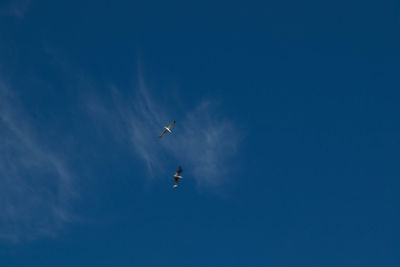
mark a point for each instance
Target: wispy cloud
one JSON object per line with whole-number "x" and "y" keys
{"x": 16, "y": 8}
{"x": 206, "y": 144}
{"x": 35, "y": 184}
{"x": 203, "y": 140}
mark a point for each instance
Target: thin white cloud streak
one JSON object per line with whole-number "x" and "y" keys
{"x": 35, "y": 185}
{"x": 206, "y": 144}
{"x": 203, "y": 141}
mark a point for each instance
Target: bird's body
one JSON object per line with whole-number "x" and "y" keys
{"x": 177, "y": 176}
{"x": 167, "y": 129}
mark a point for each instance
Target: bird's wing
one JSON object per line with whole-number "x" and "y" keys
{"x": 171, "y": 125}
{"x": 179, "y": 170}
{"x": 163, "y": 133}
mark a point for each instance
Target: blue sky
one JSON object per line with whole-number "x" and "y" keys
{"x": 287, "y": 131}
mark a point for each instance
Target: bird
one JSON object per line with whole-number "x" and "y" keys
{"x": 177, "y": 176}
{"x": 167, "y": 129}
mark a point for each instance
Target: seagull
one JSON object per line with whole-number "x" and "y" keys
{"x": 167, "y": 129}
{"x": 177, "y": 177}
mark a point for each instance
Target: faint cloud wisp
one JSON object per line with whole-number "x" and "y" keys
{"x": 35, "y": 185}
{"x": 206, "y": 144}
{"x": 203, "y": 141}
{"x": 16, "y": 8}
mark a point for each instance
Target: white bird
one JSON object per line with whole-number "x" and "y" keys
{"x": 167, "y": 129}
{"x": 177, "y": 177}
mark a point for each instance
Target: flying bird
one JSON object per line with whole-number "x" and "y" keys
{"x": 177, "y": 176}
{"x": 167, "y": 129}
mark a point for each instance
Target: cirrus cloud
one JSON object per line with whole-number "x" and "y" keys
{"x": 203, "y": 140}
{"x": 36, "y": 186}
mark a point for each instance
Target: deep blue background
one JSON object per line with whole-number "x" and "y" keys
{"x": 312, "y": 86}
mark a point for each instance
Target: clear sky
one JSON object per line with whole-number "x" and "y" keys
{"x": 287, "y": 131}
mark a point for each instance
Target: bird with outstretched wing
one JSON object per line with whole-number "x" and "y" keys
{"x": 167, "y": 129}
{"x": 177, "y": 176}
